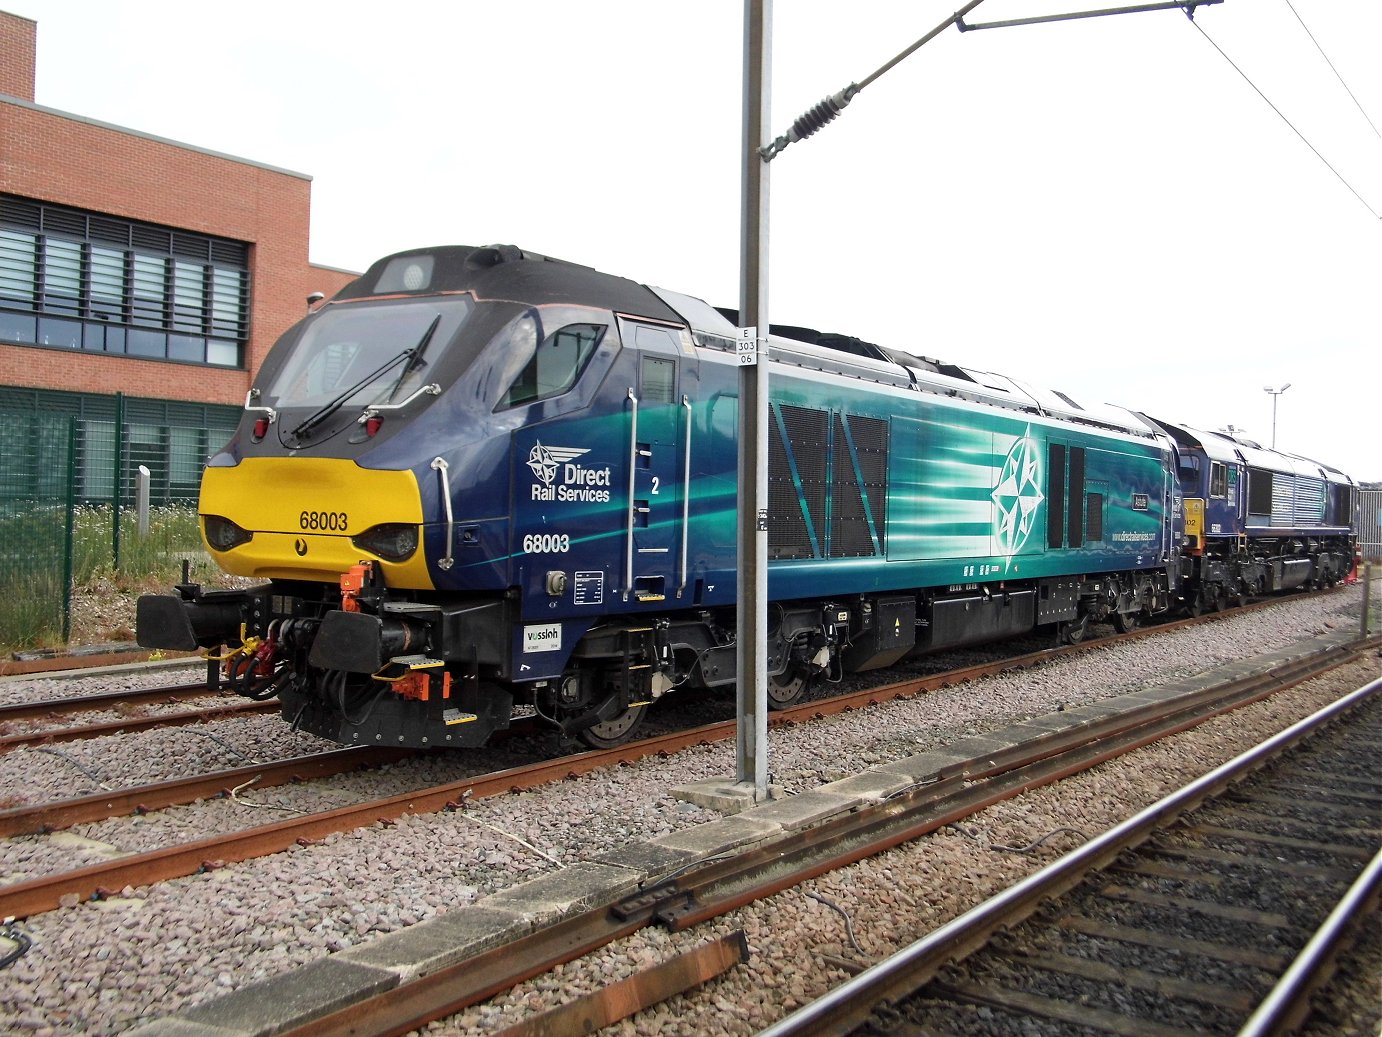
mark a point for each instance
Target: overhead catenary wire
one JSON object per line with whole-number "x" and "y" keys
{"x": 1332, "y": 68}
{"x": 826, "y": 111}
{"x": 1287, "y": 121}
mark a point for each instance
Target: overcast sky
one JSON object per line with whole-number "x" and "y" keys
{"x": 1105, "y": 207}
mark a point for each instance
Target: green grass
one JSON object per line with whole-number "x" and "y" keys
{"x": 32, "y": 543}
{"x": 31, "y": 563}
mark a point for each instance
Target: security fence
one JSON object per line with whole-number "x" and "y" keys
{"x": 68, "y": 479}
{"x": 1370, "y": 523}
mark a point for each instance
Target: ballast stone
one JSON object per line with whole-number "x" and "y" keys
{"x": 353, "y": 975}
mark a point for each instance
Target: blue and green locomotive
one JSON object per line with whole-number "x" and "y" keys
{"x": 481, "y": 478}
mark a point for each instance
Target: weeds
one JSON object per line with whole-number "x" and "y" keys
{"x": 32, "y": 558}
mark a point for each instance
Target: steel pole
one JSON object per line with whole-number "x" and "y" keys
{"x": 751, "y": 541}
{"x": 1367, "y": 599}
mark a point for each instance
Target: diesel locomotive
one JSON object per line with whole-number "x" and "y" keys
{"x": 481, "y": 479}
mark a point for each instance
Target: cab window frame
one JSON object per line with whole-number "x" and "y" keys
{"x": 534, "y": 382}
{"x": 1218, "y": 480}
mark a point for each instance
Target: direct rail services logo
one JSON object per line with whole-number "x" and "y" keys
{"x": 560, "y": 478}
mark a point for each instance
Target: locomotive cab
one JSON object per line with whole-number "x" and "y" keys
{"x": 397, "y": 480}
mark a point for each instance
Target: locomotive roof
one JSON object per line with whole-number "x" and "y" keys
{"x": 505, "y": 272}
{"x": 854, "y": 357}
{"x": 1234, "y": 449}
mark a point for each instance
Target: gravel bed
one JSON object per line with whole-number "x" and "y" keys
{"x": 798, "y": 942}
{"x": 133, "y": 677}
{"x": 156, "y": 949}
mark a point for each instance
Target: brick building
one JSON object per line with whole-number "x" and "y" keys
{"x": 138, "y": 268}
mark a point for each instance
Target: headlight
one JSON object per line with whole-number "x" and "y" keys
{"x": 223, "y": 534}
{"x": 391, "y": 541}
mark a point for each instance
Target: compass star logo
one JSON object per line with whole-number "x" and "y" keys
{"x": 1018, "y": 494}
{"x": 545, "y": 460}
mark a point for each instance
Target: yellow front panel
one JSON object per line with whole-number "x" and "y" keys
{"x": 303, "y": 512}
{"x": 1194, "y": 516}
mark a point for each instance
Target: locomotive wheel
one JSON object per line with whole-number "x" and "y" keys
{"x": 609, "y": 733}
{"x": 785, "y": 688}
{"x": 1126, "y": 622}
{"x": 1221, "y": 600}
{"x": 1073, "y": 632}
{"x": 1196, "y": 608}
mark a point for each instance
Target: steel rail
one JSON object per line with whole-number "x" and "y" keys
{"x": 963, "y": 789}
{"x": 1286, "y": 1006}
{"x": 59, "y": 814}
{"x": 105, "y": 700}
{"x": 716, "y": 887}
{"x": 141, "y": 799}
{"x": 610, "y": 1004}
{"x": 899, "y": 689}
{"x": 44, "y": 893}
{"x": 154, "y": 696}
{"x": 22, "y": 899}
{"x": 849, "y": 1005}
{"x": 132, "y": 724}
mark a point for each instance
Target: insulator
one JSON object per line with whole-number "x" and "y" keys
{"x": 810, "y": 122}
{"x": 819, "y": 116}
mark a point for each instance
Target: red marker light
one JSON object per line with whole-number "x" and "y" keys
{"x": 372, "y": 424}
{"x": 261, "y": 428}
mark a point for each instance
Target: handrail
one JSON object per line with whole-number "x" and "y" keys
{"x": 373, "y": 411}
{"x": 633, "y": 476}
{"x": 439, "y": 465}
{"x": 685, "y": 498}
{"x": 253, "y": 394}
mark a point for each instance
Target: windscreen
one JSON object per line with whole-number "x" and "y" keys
{"x": 368, "y": 353}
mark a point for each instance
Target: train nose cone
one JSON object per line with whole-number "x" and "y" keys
{"x": 309, "y": 518}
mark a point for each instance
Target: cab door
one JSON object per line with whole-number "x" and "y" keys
{"x": 659, "y": 460}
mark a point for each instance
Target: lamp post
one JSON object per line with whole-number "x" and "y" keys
{"x": 1275, "y": 393}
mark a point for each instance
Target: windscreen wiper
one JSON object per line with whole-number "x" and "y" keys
{"x": 415, "y": 361}
{"x": 318, "y": 416}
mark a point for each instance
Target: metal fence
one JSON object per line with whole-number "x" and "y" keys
{"x": 67, "y": 493}
{"x": 1370, "y": 523}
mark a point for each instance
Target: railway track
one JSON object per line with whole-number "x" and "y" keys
{"x": 130, "y": 725}
{"x": 124, "y": 701}
{"x": 116, "y": 802}
{"x": 1221, "y": 923}
{"x": 44, "y": 709}
{"x": 718, "y": 885}
{"x": 141, "y": 799}
{"x": 44, "y": 893}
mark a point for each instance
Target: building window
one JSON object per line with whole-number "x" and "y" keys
{"x": 71, "y": 279}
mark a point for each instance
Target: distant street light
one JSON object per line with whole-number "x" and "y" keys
{"x": 1275, "y": 393}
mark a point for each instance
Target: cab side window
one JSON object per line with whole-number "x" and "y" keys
{"x": 1189, "y": 474}
{"x": 1218, "y": 480}
{"x": 555, "y": 365}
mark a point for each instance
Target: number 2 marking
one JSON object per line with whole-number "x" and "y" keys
{"x": 656, "y": 480}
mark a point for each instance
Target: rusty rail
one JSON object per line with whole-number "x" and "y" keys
{"x": 848, "y": 1006}
{"x": 716, "y": 887}
{"x": 46, "y": 892}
